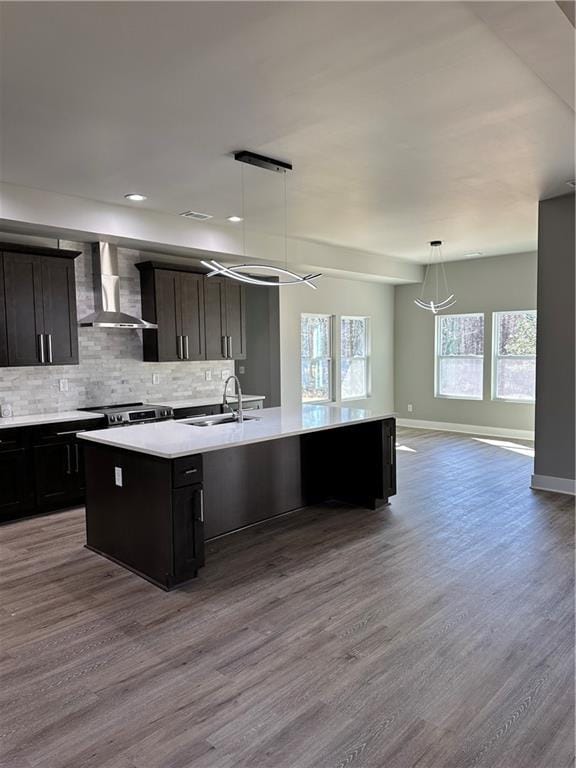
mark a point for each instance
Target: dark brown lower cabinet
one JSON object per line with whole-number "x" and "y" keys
{"x": 16, "y": 489}
{"x": 188, "y": 531}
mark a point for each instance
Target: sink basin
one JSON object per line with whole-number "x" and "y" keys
{"x": 215, "y": 421}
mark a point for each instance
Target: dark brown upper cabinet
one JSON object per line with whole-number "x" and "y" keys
{"x": 225, "y": 319}
{"x": 198, "y": 318}
{"x": 174, "y": 300}
{"x": 38, "y": 324}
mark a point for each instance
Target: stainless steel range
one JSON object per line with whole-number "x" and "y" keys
{"x": 132, "y": 413}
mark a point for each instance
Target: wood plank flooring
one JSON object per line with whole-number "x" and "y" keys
{"x": 434, "y": 633}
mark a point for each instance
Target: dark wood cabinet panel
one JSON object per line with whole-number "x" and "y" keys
{"x": 53, "y": 467}
{"x": 187, "y": 532}
{"x": 24, "y": 308}
{"x": 15, "y": 496}
{"x": 191, "y": 295}
{"x": 215, "y": 314}
{"x": 38, "y": 323}
{"x": 236, "y": 320}
{"x": 168, "y": 316}
{"x": 3, "y": 337}
{"x": 59, "y": 304}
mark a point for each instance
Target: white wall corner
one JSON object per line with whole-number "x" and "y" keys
{"x": 554, "y": 484}
{"x": 468, "y": 429}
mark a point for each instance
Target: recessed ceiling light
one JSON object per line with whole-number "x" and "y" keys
{"x": 234, "y": 219}
{"x": 571, "y": 184}
{"x": 136, "y": 197}
{"x": 196, "y": 215}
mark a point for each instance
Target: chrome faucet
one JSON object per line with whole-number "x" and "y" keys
{"x": 238, "y": 413}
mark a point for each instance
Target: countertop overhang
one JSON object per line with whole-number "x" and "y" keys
{"x": 174, "y": 439}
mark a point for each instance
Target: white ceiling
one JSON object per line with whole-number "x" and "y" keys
{"x": 405, "y": 122}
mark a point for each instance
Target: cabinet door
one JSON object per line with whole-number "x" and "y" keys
{"x": 59, "y": 304}
{"x": 3, "y": 338}
{"x": 188, "y": 531}
{"x": 215, "y": 317}
{"x": 14, "y": 482}
{"x": 192, "y": 314}
{"x": 24, "y": 308}
{"x": 389, "y": 457}
{"x": 236, "y": 319}
{"x": 168, "y": 315}
{"x": 53, "y": 470}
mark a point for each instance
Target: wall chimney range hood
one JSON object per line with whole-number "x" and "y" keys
{"x": 107, "y": 292}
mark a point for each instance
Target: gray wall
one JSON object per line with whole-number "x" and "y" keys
{"x": 480, "y": 285}
{"x": 555, "y": 391}
{"x": 259, "y": 374}
{"x": 111, "y": 368}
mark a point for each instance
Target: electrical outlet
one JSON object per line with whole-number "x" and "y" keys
{"x": 241, "y": 370}
{"x": 208, "y": 375}
{"x": 155, "y": 378}
{"x": 410, "y": 407}
{"x": 225, "y": 374}
{"x": 63, "y": 385}
{"x": 6, "y": 411}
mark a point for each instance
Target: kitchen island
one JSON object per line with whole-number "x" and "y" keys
{"x": 156, "y": 492}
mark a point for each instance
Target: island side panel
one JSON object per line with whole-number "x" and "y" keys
{"x": 130, "y": 523}
{"x": 354, "y": 464}
{"x": 251, "y": 483}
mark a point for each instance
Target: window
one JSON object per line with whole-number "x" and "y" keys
{"x": 460, "y": 356}
{"x": 514, "y": 356}
{"x": 354, "y": 358}
{"x": 316, "y": 358}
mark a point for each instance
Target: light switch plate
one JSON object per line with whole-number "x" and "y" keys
{"x": 63, "y": 383}
{"x": 410, "y": 407}
{"x": 118, "y": 476}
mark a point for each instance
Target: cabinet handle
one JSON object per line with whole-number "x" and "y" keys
{"x": 187, "y": 351}
{"x": 77, "y": 458}
{"x": 201, "y": 505}
{"x": 68, "y": 461}
{"x": 230, "y": 347}
{"x": 49, "y": 335}
{"x": 41, "y": 348}
{"x": 223, "y": 346}
{"x": 190, "y": 471}
{"x": 179, "y": 351}
{"x": 71, "y": 432}
{"x": 392, "y": 448}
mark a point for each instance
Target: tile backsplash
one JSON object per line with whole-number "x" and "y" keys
{"x": 111, "y": 369}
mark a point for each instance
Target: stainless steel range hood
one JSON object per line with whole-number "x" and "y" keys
{"x": 107, "y": 293}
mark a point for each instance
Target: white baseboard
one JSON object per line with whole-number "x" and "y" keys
{"x": 468, "y": 429}
{"x": 555, "y": 484}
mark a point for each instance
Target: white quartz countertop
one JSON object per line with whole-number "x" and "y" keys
{"x": 47, "y": 418}
{"x": 198, "y": 402}
{"x": 173, "y": 439}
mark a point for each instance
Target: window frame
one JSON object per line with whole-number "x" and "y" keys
{"x": 495, "y": 357}
{"x": 367, "y": 358}
{"x": 438, "y": 356}
{"x": 330, "y": 358}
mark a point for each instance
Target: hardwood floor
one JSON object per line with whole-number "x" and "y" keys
{"x": 434, "y": 633}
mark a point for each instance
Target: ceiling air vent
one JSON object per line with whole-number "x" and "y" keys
{"x": 196, "y": 215}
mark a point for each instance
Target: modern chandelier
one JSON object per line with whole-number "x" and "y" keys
{"x": 238, "y": 272}
{"x": 435, "y": 295}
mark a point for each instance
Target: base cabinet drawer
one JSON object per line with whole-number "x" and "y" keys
{"x": 187, "y": 471}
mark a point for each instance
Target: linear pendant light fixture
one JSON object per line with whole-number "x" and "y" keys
{"x": 436, "y": 271}
{"x": 238, "y": 272}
